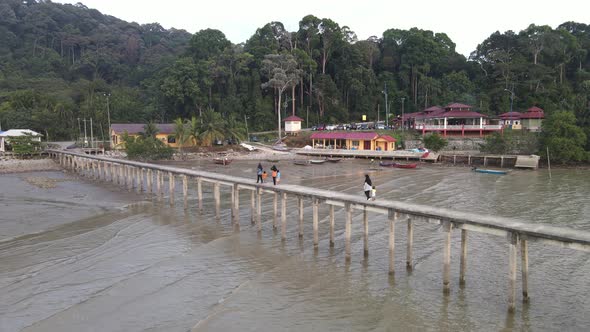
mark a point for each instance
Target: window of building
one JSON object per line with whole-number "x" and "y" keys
{"x": 355, "y": 144}
{"x": 171, "y": 139}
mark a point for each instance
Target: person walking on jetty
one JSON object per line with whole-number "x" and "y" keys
{"x": 259, "y": 174}
{"x": 264, "y": 176}
{"x": 368, "y": 186}
{"x": 373, "y": 193}
{"x": 278, "y": 176}
{"x": 274, "y": 174}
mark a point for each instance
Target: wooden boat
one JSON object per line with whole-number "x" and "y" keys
{"x": 222, "y": 161}
{"x": 301, "y": 162}
{"x": 317, "y": 161}
{"x": 280, "y": 147}
{"x": 272, "y": 160}
{"x": 333, "y": 160}
{"x": 397, "y": 165}
{"x": 489, "y": 171}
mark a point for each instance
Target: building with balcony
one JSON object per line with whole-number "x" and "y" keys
{"x": 454, "y": 119}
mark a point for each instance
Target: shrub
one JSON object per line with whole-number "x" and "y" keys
{"x": 434, "y": 142}
{"x": 148, "y": 148}
{"x": 24, "y": 145}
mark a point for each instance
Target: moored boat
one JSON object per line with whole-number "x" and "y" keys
{"x": 222, "y": 161}
{"x": 272, "y": 160}
{"x": 317, "y": 161}
{"x": 301, "y": 162}
{"x": 397, "y": 165}
{"x": 280, "y": 147}
{"x": 489, "y": 171}
{"x": 333, "y": 160}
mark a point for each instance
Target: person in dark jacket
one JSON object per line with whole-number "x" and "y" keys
{"x": 259, "y": 174}
{"x": 368, "y": 186}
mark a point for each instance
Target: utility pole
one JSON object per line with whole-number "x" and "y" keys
{"x": 109, "y": 119}
{"x": 85, "y": 137}
{"x": 403, "y": 121}
{"x": 386, "y": 108}
{"x": 378, "y": 111}
{"x": 247, "y": 133}
{"x": 79, "y": 130}
{"x": 91, "y": 135}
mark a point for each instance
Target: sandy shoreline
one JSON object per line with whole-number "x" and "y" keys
{"x": 27, "y": 165}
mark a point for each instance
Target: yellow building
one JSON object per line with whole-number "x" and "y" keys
{"x": 165, "y": 133}
{"x": 354, "y": 141}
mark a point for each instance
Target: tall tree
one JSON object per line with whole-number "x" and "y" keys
{"x": 283, "y": 72}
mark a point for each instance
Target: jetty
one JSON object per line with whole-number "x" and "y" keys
{"x": 151, "y": 179}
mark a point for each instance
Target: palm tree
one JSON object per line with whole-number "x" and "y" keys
{"x": 181, "y": 133}
{"x": 150, "y": 130}
{"x": 212, "y": 127}
{"x": 234, "y": 128}
{"x": 194, "y": 129}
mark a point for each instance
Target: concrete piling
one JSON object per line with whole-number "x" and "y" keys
{"x": 524, "y": 254}
{"x": 300, "y": 203}
{"x": 513, "y": 240}
{"x": 316, "y": 203}
{"x": 235, "y": 204}
{"x": 276, "y": 210}
{"x": 171, "y": 185}
{"x": 365, "y": 233}
{"x": 463, "y": 263}
{"x": 332, "y": 226}
{"x": 447, "y": 227}
{"x": 259, "y": 209}
{"x": 284, "y": 216}
{"x": 392, "y": 216}
{"x": 185, "y": 192}
{"x": 217, "y": 197}
{"x": 253, "y": 207}
{"x": 348, "y": 231}
{"x": 410, "y": 244}
{"x": 200, "y": 192}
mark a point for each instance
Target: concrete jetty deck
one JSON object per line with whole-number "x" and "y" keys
{"x": 141, "y": 177}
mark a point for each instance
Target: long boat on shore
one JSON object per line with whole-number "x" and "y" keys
{"x": 397, "y": 165}
{"x": 489, "y": 171}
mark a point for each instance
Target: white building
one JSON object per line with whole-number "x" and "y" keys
{"x": 293, "y": 125}
{"x": 6, "y": 135}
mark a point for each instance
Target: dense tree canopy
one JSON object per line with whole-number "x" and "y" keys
{"x": 60, "y": 62}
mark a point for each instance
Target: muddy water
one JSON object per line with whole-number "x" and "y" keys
{"x": 84, "y": 256}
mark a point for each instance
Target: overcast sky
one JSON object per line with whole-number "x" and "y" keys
{"x": 466, "y": 22}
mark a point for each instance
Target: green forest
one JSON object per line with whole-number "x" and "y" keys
{"x": 60, "y": 63}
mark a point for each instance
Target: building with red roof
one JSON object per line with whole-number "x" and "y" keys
{"x": 532, "y": 118}
{"x": 453, "y": 119}
{"x": 511, "y": 120}
{"x": 292, "y": 125}
{"x": 354, "y": 141}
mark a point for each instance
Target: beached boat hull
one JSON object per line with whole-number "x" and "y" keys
{"x": 301, "y": 162}
{"x": 397, "y": 165}
{"x": 333, "y": 160}
{"x": 317, "y": 162}
{"x": 490, "y": 171}
{"x": 222, "y": 161}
